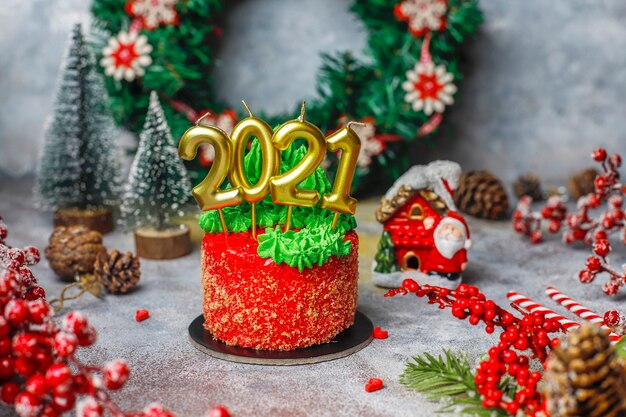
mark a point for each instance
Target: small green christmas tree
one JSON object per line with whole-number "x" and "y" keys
{"x": 158, "y": 188}
{"x": 79, "y": 167}
{"x": 386, "y": 260}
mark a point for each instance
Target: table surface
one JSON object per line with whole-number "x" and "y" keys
{"x": 166, "y": 368}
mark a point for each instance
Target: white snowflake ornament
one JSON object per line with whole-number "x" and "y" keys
{"x": 153, "y": 13}
{"x": 422, "y": 16}
{"x": 429, "y": 88}
{"x": 126, "y": 56}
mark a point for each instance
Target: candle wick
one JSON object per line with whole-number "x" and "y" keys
{"x": 205, "y": 115}
{"x": 350, "y": 123}
{"x": 247, "y": 108}
{"x": 302, "y": 111}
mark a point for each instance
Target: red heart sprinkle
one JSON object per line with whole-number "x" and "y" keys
{"x": 374, "y": 384}
{"x": 142, "y": 315}
{"x": 380, "y": 333}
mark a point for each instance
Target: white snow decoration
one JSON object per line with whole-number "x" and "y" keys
{"x": 424, "y": 15}
{"x": 154, "y": 12}
{"x": 419, "y": 177}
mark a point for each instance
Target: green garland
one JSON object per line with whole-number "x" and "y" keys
{"x": 183, "y": 59}
{"x": 313, "y": 243}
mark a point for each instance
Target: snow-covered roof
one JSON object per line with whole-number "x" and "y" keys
{"x": 422, "y": 177}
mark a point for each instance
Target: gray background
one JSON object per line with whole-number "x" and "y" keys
{"x": 544, "y": 80}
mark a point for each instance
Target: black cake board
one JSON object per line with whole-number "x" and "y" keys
{"x": 351, "y": 340}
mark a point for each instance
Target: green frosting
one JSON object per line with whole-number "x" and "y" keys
{"x": 315, "y": 241}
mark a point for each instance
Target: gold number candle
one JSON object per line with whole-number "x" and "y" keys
{"x": 283, "y": 186}
{"x": 208, "y": 193}
{"x": 248, "y": 127}
{"x": 339, "y": 200}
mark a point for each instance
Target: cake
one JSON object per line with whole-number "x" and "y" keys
{"x": 289, "y": 287}
{"x": 256, "y": 303}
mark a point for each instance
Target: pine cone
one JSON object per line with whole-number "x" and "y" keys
{"x": 481, "y": 195}
{"x": 584, "y": 378}
{"x": 117, "y": 272}
{"x": 582, "y": 183}
{"x": 73, "y": 250}
{"x": 529, "y": 185}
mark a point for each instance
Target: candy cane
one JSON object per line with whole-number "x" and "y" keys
{"x": 532, "y": 306}
{"x": 580, "y": 310}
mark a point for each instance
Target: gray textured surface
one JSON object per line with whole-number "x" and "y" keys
{"x": 166, "y": 368}
{"x": 544, "y": 80}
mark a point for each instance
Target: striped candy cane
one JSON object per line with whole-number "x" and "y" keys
{"x": 532, "y": 306}
{"x": 580, "y": 310}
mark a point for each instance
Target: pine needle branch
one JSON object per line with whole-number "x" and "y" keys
{"x": 447, "y": 379}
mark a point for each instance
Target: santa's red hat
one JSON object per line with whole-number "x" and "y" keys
{"x": 456, "y": 219}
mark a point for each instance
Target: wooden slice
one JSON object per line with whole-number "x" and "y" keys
{"x": 100, "y": 219}
{"x": 169, "y": 243}
{"x": 350, "y": 341}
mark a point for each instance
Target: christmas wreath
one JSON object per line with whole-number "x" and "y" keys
{"x": 400, "y": 91}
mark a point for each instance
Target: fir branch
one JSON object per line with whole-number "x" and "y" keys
{"x": 448, "y": 379}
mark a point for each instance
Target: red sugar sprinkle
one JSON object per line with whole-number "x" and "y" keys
{"x": 142, "y": 315}
{"x": 380, "y": 333}
{"x": 374, "y": 384}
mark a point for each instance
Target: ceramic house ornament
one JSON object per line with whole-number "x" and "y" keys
{"x": 424, "y": 237}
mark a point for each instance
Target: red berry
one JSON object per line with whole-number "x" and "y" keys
{"x": 599, "y": 154}
{"x": 9, "y": 391}
{"x": 16, "y": 311}
{"x": 410, "y": 285}
{"x": 25, "y": 367}
{"x": 594, "y": 264}
{"x": 89, "y": 407}
{"x": 115, "y": 374}
{"x": 512, "y": 408}
{"x": 65, "y": 344}
{"x": 141, "y": 315}
{"x": 63, "y": 401}
{"x": 616, "y": 160}
{"x": 586, "y": 276}
{"x": 35, "y": 293}
{"x": 39, "y": 310}
{"x": 611, "y": 287}
{"x": 49, "y": 411}
{"x": 31, "y": 255}
{"x": 7, "y": 367}
{"x": 37, "y": 385}
{"x": 602, "y": 247}
{"x": 16, "y": 255}
{"x": 25, "y": 344}
{"x": 218, "y": 411}
{"x": 75, "y": 322}
{"x": 594, "y": 201}
{"x": 536, "y": 237}
{"x": 87, "y": 337}
{"x": 58, "y": 375}
{"x": 612, "y": 318}
{"x": 374, "y": 384}
{"x": 156, "y": 410}
{"x": 380, "y": 333}
{"x": 27, "y": 405}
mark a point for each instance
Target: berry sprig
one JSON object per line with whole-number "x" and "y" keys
{"x": 40, "y": 375}
{"x": 581, "y": 226}
{"x": 599, "y": 263}
{"x": 521, "y": 340}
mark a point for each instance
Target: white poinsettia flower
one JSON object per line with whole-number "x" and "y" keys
{"x": 126, "y": 56}
{"x": 154, "y": 12}
{"x": 423, "y": 15}
{"x": 429, "y": 88}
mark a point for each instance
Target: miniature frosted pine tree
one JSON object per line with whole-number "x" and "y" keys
{"x": 386, "y": 260}
{"x": 158, "y": 188}
{"x": 79, "y": 167}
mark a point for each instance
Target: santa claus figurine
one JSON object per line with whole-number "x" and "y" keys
{"x": 448, "y": 256}
{"x": 424, "y": 237}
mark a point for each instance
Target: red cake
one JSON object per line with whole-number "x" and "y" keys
{"x": 253, "y": 302}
